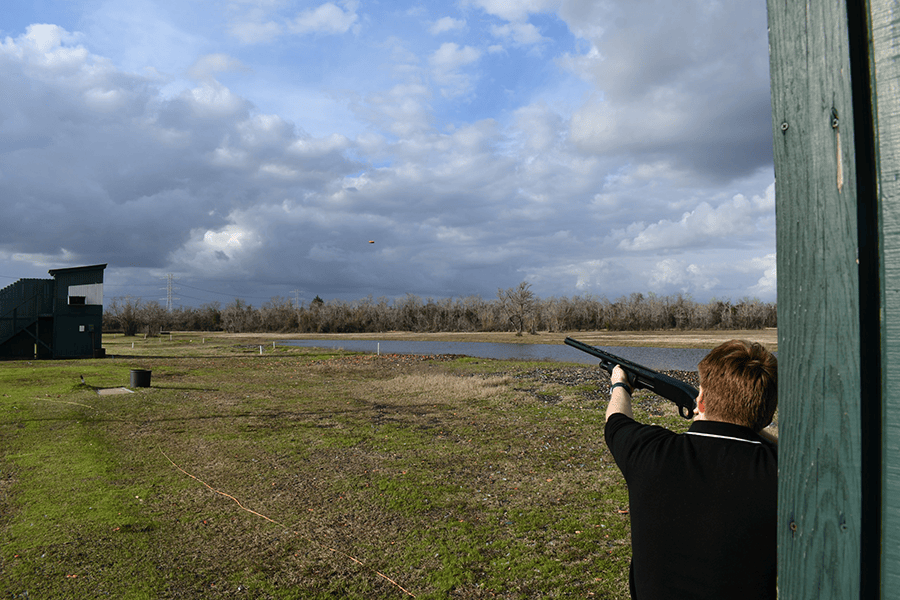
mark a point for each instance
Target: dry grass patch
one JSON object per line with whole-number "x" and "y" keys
{"x": 449, "y": 388}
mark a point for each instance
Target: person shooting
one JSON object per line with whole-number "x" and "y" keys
{"x": 703, "y": 503}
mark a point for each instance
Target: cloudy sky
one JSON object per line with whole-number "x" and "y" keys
{"x": 254, "y": 148}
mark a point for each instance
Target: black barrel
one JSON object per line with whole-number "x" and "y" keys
{"x": 140, "y": 378}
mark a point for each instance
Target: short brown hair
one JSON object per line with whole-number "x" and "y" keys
{"x": 740, "y": 384}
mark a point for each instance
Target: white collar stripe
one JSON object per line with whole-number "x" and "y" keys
{"x": 722, "y": 437}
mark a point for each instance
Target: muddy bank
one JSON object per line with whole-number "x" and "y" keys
{"x": 661, "y": 339}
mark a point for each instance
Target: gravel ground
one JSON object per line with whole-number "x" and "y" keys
{"x": 587, "y": 377}
{"x": 575, "y": 376}
{"x": 593, "y": 380}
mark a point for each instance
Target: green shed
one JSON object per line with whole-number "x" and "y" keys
{"x": 60, "y": 317}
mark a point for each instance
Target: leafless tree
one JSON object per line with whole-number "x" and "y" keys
{"x": 240, "y": 317}
{"x": 278, "y": 315}
{"x": 515, "y": 308}
{"x": 518, "y": 304}
{"x": 154, "y": 317}
{"x": 123, "y": 313}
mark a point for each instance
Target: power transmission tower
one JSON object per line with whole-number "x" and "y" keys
{"x": 170, "y": 290}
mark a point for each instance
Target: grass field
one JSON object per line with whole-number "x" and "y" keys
{"x": 298, "y": 473}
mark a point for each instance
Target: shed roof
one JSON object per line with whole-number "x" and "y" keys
{"x": 54, "y": 272}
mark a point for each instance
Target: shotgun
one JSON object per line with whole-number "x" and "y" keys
{"x": 642, "y": 378}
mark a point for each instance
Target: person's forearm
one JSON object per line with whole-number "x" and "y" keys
{"x": 619, "y": 402}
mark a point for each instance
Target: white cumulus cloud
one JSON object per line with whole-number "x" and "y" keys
{"x": 446, "y": 24}
{"x": 447, "y": 65}
{"x": 327, "y": 18}
{"x": 737, "y": 219}
{"x": 520, "y": 33}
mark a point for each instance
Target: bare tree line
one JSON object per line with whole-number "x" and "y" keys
{"x": 515, "y": 309}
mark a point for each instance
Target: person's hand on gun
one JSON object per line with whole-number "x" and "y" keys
{"x": 620, "y": 376}
{"x": 619, "y": 402}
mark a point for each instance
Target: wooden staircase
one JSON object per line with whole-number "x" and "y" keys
{"x": 22, "y": 304}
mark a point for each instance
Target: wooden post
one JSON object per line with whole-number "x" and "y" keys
{"x": 818, "y": 313}
{"x": 836, "y": 126}
{"x": 884, "y": 24}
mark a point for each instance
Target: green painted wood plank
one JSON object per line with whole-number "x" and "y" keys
{"x": 818, "y": 326}
{"x": 885, "y": 32}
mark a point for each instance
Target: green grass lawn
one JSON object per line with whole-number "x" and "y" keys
{"x": 301, "y": 473}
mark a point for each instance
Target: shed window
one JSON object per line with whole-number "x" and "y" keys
{"x": 91, "y": 293}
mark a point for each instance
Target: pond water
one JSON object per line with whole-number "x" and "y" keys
{"x": 681, "y": 359}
